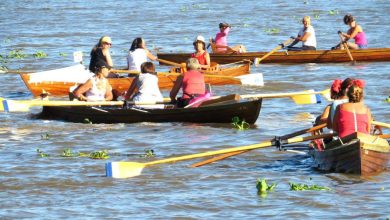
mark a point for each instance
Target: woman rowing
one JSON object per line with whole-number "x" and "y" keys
{"x": 97, "y": 88}
{"x": 353, "y": 116}
{"x": 355, "y": 32}
{"x": 191, "y": 82}
{"x": 146, "y": 83}
{"x": 100, "y": 54}
{"x": 307, "y": 35}
{"x": 221, "y": 41}
{"x": 138, "y": 54}
{"x": 200, "y": 52}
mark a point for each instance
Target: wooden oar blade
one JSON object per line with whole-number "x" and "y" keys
{"x": 13, "y": 106}
{"x": 307, "y": 98}
{"x": 252, "y": 79}
{"x": 123, "y": 169}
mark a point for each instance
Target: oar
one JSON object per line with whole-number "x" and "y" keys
{"x": 14, "y": 71}
{"x": 131, "y": 169}
{"x": 280, "y": 46}
{"x": 24, "y": 105}
{"x": 382, "y": 124}
{"x": 288, "y": 136}
{"x": 169, "y": 62}
{"x": 342, "y": 42}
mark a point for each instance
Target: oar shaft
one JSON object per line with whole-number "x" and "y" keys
{"x": 382, "y": 124}
{"x": 169, "y": 62}
{"x": 274, "y": 50}
{"x": 249, "y": 147}
{"x": 346, "y": 47}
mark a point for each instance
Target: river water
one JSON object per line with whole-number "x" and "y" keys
{"x": 54, "y": 187}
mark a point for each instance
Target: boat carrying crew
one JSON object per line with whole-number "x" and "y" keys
{"x": 307, "y": 35}
{"x": 191, "y": 82}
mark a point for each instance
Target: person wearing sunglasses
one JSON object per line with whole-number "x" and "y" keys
{"x": 100, "y": 54}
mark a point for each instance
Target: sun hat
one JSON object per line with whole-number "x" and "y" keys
{"x": 199, "y": 38}
{"x": 106, "y": 39}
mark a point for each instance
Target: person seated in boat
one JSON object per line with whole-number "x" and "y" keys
{"x": 354, "y": 115}
{"x": 191, "y": 82}
{"x": 340, "y": 99}
{"x": 334, "y": 94}
{"x": 200, "y": 52}
{"x": 138, "y": 54}
{"x": 221, "y": 44}
{"x": 307, "y": 35}
{"x": 97, "y": 88}
{"x": 144, "y": 87}
{"x": 355, "y": 32}
{"x": 100, "y": 54}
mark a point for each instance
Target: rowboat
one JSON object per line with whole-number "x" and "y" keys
{"x": 291, "y": 57}
{"x": 58, "y": 82}
{"x": 357, "y": 153}
{"x": 217, "y": 113}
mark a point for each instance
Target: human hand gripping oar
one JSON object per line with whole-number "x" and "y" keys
{"x": 131, "y": 169}
{"x": 288, "y": 136}
{"x": 280, "y": 46}
{"x": 342, "y": 42}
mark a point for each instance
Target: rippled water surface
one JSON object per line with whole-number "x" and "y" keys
{"x": 57, "y": 187}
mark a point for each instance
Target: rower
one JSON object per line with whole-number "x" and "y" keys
{"x": 221, "y": 44}
{"x": 355, "y": 32}
{"x": 200, "y": 52}
{"x": 138, "y": 54}
{"x": 100, "y": 54}
{"x": 307, "y": 35}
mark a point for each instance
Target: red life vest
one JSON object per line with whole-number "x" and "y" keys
{"x": 193, "y": 84}
{"x": 201, "y": 58}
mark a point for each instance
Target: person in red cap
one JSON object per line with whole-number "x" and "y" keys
{"x": 355, "y": 115}
{"x": 221, "y": 43}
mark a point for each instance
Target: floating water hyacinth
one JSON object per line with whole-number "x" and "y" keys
{"x": 304, "y": 187}
{"x": 63, "y": 54}
{"x": 240, "y": 125}
{"x": 263, "y": 187}
{"x": 387, "y": 99}
{"x": 40, "y": 54}
{"x": 16, "y": 54}
{"x": 148, "y": 153}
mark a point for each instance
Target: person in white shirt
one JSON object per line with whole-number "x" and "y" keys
{"x": 307, "y": 35}
{"x": 138, "y": 54}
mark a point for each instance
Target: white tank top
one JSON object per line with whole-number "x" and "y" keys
{"x": 98, "y": 90}
{"x": 136, "y": 58}
{"x": 148, "y": 90}
{"x": 311, "y": 40}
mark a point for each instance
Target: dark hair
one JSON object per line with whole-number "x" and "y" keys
{"x": 223, "y": 25}
{"x": 98, "y": 69}
{"x": 137, "y": 43}
{"x": 355, "y": 94}
{"x": 148, "y": 67}
{"x": 348, "y": 19}
{"x": 344, "y": 86}
{"x": 204, "y": 45}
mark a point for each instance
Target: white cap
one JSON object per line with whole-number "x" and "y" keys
{"x": 200, "y": 38}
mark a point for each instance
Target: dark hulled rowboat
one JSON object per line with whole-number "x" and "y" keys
{"x": 357, "y": 153}
{"x": 290, "y": 57}
{"x": 220, "y": 113}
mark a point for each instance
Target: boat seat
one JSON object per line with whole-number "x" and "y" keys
{"x": 228, "y": 99}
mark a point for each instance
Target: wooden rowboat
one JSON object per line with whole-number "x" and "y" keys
{"x": 357, "y": 153}
{"x": 57, "y": 82}
{"x": 290, "y": 57}
{"x": 218, "y": 113}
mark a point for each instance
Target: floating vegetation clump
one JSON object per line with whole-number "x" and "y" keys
{"x": 148, "y": 153}
{"x": 272, "y": 30}
{"x": 45, "y": 136}
{"x": 263, "y": 187}
{"x": 102, "y": 155}
{"x": 67, "y": 152}
{"x": 87, "y": 121}
{"x": 40, "y": 54}
{"x": 240, "y": 124}
{"x": 63, "y": 54}
{"x": 16, "y": 54}
{"x": 304, "y": 187}
{"x": 333, "y": 12}
{"x": 387, "y": 99}
{"x": 41, "y": 153}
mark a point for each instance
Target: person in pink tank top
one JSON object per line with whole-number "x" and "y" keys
{"x": 355, "y": 115}
{"x": 221, "y": 43}
{"x": 355, "y": 32}
{"x": 191, "y": 82}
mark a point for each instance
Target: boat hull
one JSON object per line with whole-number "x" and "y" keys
{"x": 60, "y": 86}
{"x": 223, "y": 113}
{"x": 360, "y": 154}
{"x": 291, "y": 57}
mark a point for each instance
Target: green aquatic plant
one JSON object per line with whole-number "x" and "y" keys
{"x": 184, "y": 8}
{"x": 16, "y": 54}
{"x": 41, "y": 153}
{"x": 87, "y": 121}
{"x": 45, "y": 136}
{"x": 333, "y": 12}
{"x": 263, "y": 187}
{"x": 40, "y": 54}
{"x": 387, "y": 99}
{"x": 67, "y": 152}
{"x": 272, "y": 30}
{"x": 148, "y": 153}
{"x": 63, "y": 54}
{"x": 102, "y": 155}
{"x": 303, "y": 187}
{"x": 240, "y": 124}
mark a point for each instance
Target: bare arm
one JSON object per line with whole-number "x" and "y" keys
{"x": 107, "y": 54}
{"x": 325, "y": 115}
{"x": 108, "y": 96}
{"x": 131, "y": 89}
{"x": 79, "y": 92}
{"x": 304, "y": 37}
{"x": 176, "y": 87}
{"x": 150, "y": 55}
{"x": 207, "y": 57}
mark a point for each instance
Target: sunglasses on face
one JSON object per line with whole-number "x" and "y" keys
{"x": 107, "y": 43}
